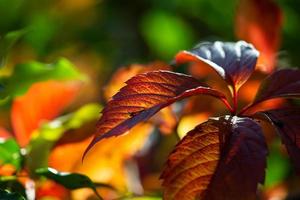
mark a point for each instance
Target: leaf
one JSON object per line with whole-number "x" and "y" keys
{"x": 142, "y": 97}
{"x": 10, "y": 195}
{"x": 10, "y": 153}
{"x": 190, "y": 167}
{"x": 25, "y": 75}
{"x": 105, "y": 163}
{"x": 70, "y": 180}
{"x": 7, "y": 42}
{"x": 166, "y": 119}
{"x": 49, "y": 133}
{"x": 282, "y": 83}
{"x": 287, "y": 124}
{"x": 43, "y": 101}
{"x": 214, "y": 159}
{"x": 260, "y": 22}
{"x": 234, "y": 62}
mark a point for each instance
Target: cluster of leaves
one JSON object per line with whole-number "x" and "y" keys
{"x": 24, "y": 158}
{"x": 213, "y": 159}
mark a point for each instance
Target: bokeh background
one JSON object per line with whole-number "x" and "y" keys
{"x": 92, "y": 40}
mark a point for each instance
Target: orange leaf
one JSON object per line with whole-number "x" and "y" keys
{"x": 259, "y": 22}
{"x": 142, "y": 97}
{"x": 192, "y": 164}
{"x": 43, "y": 101}
{"x": 214, "y": 159}
{"x": 167, "y": 119}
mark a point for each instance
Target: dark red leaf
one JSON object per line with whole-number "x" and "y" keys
{"x": 142, "y": 97}
{"x": 259, "y": 22}
{"x": 287, "y": 124}
{"x": 282, "y": 83}
{"x": 221, "y": 159}
{"x": 234, "y": 62}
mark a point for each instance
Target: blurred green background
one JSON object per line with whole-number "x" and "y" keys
{"x": 122, "y": 32}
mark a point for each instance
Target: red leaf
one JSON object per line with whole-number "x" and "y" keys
{"x": 221, "y": 159}
{"x": 142, "y": 97}
{"x": 259, "y": 22}
{"x": 282, "y": 83}
{"x": 43, "y": 101}
{"x": 287, "y": 124}
{"x": 234, "y": 62}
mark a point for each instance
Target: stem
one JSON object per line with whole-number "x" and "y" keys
{"x": 224, "y": 100}
{"x": 235, "y": 102}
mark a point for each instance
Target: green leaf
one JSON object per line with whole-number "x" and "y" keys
{"x": 25, "y": 75}
{"x": 45, "y": 137}
{"x": 10, "y": 153}
{"x": 7, "y": 42}
{"x": 10, "y": 195}
{"x": 69, "y": 180}
{"x": 278, "y": 166}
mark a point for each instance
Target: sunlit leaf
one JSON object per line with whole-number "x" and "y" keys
{"x": 43, "y": 101}
{"x": 45, "y": 137}
{"x": 287, "y": 123}
{"x": 214, "y": 159}
{"x": 259, "y": 22}
{"x": 142, "y": 97}
{"x": 282, "y": 83}
{"x": 118, "y": 79}
{"x": 191, "y": 165}
{"x": 10, "y": 153}
{"x": 234, "y": 62}
{"x": 10, "y": 195}
{"x": 106, "y": 163}
{"x": 166, "y": 119}
{"x": 69, "y": 180}
{"x": 26, "y": 74}
{"x": 7, "y": 42}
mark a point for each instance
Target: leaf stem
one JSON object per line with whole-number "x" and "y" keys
{"x": 235, "y": 100}
{"x": 224, "y": 100}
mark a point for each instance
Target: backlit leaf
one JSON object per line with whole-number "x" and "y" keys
{"x": 191, "y": 165}
{"x": 142, "y": 97}
{"x": 25, "y": 75}
{"x": 214, "y": 159}
{"x": 282, "y": 83}
{"x": 69, "y": 180}
{"x": 259, "y": 22}
{"x": 234, "y": 62}
{"x": 287, "y": 123}
{"x": 43, "y": 101}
